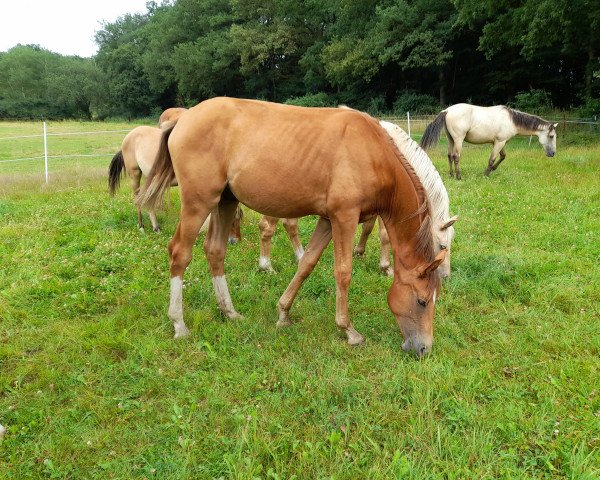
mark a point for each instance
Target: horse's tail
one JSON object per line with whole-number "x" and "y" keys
{"x": 433, "y": 131}
{"x": 115, "y": 170}
{"x": 159, "y": 179}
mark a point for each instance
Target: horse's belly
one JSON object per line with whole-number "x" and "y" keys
{"x": 282, "y": 196}
{"x": 477, "y": 137}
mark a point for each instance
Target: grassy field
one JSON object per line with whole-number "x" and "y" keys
{"x": 92, "y": 385}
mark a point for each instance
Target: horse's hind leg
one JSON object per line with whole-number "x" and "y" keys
{"x": 267, "y": 229}
{"x": 154, "y": 221}
{"x": 291, "y": 227}
{"x": 343, "y": 229}
{"x": 180, "y": 254}
{"x": 385, "y": 263}
{"x": 367, "y": 228}
{"x": 215, "y": 246}
{"x": 136, "y": 175}
{"x": 450, "y": 153}
{"x": 318, "y": 241}
{"x": 457, "y": 148}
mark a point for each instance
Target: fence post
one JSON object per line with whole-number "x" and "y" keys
{"x": 408, "y": 119}
{"x": 45, "y": 152}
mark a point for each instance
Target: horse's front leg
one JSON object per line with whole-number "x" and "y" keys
{"x": 319, "y": 239}
{"x": 344, "y": 228}
{"x": 367, "y": 228}
{"x": 215, "y": 247}
{"x": 456, "y": 150}
{"x": 385, "y": 263}
{"x": 500, "y": 160}
{"x": 267, "y": 229}
{"x": 498, "y": 146}
{"x": 293, "y": 232}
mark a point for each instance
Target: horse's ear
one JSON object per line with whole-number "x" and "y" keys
{"x": 554, "y": 125}
{"x": 425, "y": 270}
{"x": 449, "y": 222}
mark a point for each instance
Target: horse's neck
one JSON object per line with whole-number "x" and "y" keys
{"x": 527, "y": 131}
{"x": 424, "y": 168}
{"x": 403, "y": 240}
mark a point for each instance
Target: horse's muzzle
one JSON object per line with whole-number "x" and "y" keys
{"x": 418, "y": 348}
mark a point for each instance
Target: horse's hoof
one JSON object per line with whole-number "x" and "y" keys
{"x": 233, "y": 240}
{"x": 181, "y": 331}
{"x": 142, "y": 229}
{"x": 282, "y": 323}
{"x": 234, "y": 316}
{"x": 358, "y": 253}
{"x": 267, "y": 269}
{"x": 354, "y": 338}
{"x": 284, "y": 320}
{"x": 387, "y": 271}
{"x": 156, "y": 230}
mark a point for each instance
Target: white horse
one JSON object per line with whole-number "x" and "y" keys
{"x": 443, "y": 231}
{"x": 497, "y": 125}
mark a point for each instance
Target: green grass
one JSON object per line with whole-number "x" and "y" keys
{"x": 92, "y": 385}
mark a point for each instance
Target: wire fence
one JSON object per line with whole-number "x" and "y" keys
{"x": 51, "y": 157}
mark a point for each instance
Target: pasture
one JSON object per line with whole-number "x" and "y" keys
{"x": 94, "y": 386}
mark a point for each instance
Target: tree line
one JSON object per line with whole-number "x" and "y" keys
{"x": 376, "y": 55}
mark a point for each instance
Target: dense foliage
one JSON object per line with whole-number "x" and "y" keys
{"x": 379, "y": 55}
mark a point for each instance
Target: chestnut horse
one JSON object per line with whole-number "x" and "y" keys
{"x": 136, "y": 157}
{"x": 443, "y": 231}
{"x": 287, "y": 162}
{"x": 497, "y": 125}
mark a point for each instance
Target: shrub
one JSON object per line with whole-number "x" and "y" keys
{"x": 411, "y": 101}
{"x": 534, "y": 101}
{"x": 590, "y": 109}
{"x": 320, "y": 99}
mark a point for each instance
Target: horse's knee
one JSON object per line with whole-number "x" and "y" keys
{"x": 291, "y": 225}
{"x": 267, "y": 229}
{"x": 343, "y": 277}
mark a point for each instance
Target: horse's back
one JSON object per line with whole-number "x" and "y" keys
{"x": 478, "y": 124}
{"x": 301, "y": 156}
{"x": 140, "y": 147}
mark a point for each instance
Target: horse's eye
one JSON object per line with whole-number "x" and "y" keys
{"x": 421, "y": 302}
{"x": 443, "y": 247}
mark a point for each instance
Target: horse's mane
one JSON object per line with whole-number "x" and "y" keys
{"x": 424, "y": 168}
{"x": 526, "y": 120}
{"x": 424, "y": 236}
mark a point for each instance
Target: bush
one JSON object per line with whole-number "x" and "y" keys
{"x": 411, "y": 101}
{"x": 590, "y": 109}
{"x": 534, "y": 101}
{"x": 320, "y": 99}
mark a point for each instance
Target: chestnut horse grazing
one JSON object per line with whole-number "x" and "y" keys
{"x": 497, "y": 125}
{"x": 443, "y": 231}
{"x": 136, "y": 157}
{"x": 289, "y": 162}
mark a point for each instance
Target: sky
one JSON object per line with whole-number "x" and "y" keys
{"x": 61, "y": 26}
